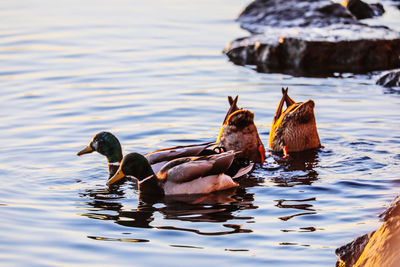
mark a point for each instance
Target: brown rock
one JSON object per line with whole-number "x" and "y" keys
{"x": 311, "y": 38}
{"x": 383, "y": 247}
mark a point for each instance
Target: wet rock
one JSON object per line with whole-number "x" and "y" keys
{"x": 383, "y": 247}
{"x": 379, "y": 248}
{"x": 314, "y": 38}
{"x": 392, "y": 79}
{"x": 350, "y": 252}
{"x": 293, "y": 13}
{"x": 362, "y": 10}
{"x": 392, "y": 211}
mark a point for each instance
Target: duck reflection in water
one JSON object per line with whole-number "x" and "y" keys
{"x": 216, "y": 207}
{"x": 297, "y": 170}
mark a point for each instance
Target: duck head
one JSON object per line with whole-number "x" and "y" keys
{"x": 134, "y": 165}
{"x": 106, "y": 144}
{"x": 294, "y": 129}
{"x": 239, "y": 133}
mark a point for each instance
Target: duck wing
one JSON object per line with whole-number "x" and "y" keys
{"x": 187, "y": 169}
{"x": 168, "y": 154}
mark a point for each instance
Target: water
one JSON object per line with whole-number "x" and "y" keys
{"x": 152, "y": 72}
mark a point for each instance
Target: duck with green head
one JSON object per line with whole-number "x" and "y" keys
{"x": 294, "y": 129}
{"x": 108, "y": 145}
{"x": 183, "y": 176}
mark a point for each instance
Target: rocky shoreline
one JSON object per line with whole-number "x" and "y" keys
{"x": 379, "y": 248}
{"x": 312, "y": 38}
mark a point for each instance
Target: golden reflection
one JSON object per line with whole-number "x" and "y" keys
{"x": 131, "y": 240}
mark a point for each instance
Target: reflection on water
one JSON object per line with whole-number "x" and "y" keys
{"x": 298, "y": 169}
{"x": 303, "y": 206}
{"x": 217, "y": 207}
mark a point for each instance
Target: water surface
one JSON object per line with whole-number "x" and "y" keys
{"x": 152, "y": 72}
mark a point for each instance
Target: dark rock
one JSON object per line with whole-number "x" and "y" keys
{"x": 311, "y": 38}
{"x": 350, "y": 252}
{"x": 315, "y": 53}
{"x": 379, "y": 248}
{"x": 362, "y": 10}
{"x": 292, "y": 13}
{"x": 383, "y": 247}
{"x": 392, "y": 79}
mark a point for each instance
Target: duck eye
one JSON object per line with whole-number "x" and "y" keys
{"x": 94, "y": 144}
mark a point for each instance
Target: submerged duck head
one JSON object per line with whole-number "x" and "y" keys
{"x": 106, "y": 144}
{"x": 294, "y": 129}
{"x": 239, "y": 133}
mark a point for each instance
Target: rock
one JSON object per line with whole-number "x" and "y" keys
{"x": 362, "y": 10}
{"x": 293, "y": 13}
{"x": 383, "y": 247}
{"x": 379, "y": 248}
{"x": 391, "y": 79}
{"x": 350, "y": 252}
{"x": 314, "y": 38}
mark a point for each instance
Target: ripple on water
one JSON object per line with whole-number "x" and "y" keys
{"x": 145, "y": 71}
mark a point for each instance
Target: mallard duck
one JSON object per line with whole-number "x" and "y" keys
{"x": 294, "y": 129}
{"x": 183, "y": 176}
{"x": 108, "y": 145}
{"x": 239, "y": 133}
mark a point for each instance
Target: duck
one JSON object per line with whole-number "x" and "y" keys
{"x": 239, "y": 133}
{"x": 182, "y": 176}
{"x": 107, "y": 144}
{"x": 295, "y": 129}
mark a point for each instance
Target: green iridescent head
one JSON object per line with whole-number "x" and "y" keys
{"x": 134, "y": 165}
{"x": 106, "y": 144}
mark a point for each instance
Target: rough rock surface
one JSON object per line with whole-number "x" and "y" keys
{"x": 379, "y": 248}
{"x": 391, "y": 79}
{"x": 362, "y": 10}
{"x": 383, "y": 247}
{"x": 350, "y": 252}
{"x": 316, "y": 37}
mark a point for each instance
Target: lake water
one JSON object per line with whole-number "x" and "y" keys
{"x": 152, "y": 72}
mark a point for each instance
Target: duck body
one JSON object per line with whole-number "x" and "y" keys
{"x": 108, "y": 145}
{"x": 159, "y": 158}
{"x": 294, "y": 129}
{"x": 239, "y": 133}
{"x": 182, "y": 176}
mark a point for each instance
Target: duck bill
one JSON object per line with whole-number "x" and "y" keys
{"x": 117, "y": 177}
{"x": 86, "y": 150}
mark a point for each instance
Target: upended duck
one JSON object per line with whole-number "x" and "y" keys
{"x": 183, "y": 176}
{"x": 108, "y": 145}
{"x": 239, "y": 133}
{"x": 294, "y": 129}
